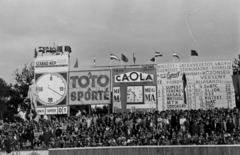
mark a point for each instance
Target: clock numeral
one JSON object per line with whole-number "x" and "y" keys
{"x": 51, "y": 77}
{"x": 40, "y": 88}
{"x": 50, "y": 99}
{"x": 61, "y": 89}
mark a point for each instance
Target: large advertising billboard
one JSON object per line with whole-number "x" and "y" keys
{"x": 89, "y": 87}
{"x": 134, "y": 89}
{"x": 209, "y": 85}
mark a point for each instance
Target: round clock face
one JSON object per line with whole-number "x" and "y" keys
{"x": 52, "y": 88}
{"x": 134, "y": 94}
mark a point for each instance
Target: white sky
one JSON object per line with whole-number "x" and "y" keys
{"x": 101, "y": 27}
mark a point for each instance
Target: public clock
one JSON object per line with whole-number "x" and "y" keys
{"x": 52, "y": 88}
{"x": 134, "y": 94}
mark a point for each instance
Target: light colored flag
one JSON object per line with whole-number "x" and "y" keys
{"x": 158, "y": 54}
{"x": 175, "y": 55}
{"x": 114, "y": 57}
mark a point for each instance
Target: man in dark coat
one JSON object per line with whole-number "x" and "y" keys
{"x": 47, "y": 135}
{"x": 7, "y": 143}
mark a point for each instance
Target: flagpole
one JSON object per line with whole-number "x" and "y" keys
{"x": 110, "y": 63}
{"x": 94, "y": 62}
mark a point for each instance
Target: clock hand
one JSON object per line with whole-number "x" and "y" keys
{"x": 133, "y": 92}
{"x": 54, "y": 91}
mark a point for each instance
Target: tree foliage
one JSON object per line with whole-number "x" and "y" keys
{"x": 236, "y": 65}
{"x": 16, "y": 93}
{"x": 4, "y": 96}
{"x": 23, "y": 81}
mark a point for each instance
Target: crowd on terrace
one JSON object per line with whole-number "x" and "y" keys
{"x": 194, "y": 127}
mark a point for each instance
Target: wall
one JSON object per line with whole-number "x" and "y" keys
{"x": 151, "y": 150}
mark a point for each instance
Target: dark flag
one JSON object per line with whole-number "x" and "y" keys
{"x": 134, "y": 59}
{"x": 184, "y": 80}
{"x": 59, "y": 50}
{"x": 153, "y": 59}
{"x": 76, "y": 64}
{"x": 68, "y": 49}
{"x": 36, "y": 53}
{"x": 41, "y": 49}
{"x": 194, "y": 53}
{"x": 124, "y": 58}
{"x": 94, "y": 60}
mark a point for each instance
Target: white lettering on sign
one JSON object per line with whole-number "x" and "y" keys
{"x": 134, "y": 77}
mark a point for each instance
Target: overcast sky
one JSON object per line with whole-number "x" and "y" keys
{"x": 101, "y": 27}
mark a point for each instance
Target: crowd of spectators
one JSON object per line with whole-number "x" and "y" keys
{"x": 176, "y": 127}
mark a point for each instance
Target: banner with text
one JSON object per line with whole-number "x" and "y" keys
{"x": 44, "y": 64}
{"x": 209, "y": 85}
{"x": 89, "y": 87}
{"x": 140, "y": 86}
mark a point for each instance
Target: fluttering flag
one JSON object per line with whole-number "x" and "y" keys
{"x": 153, "y": 59}
{"x": 134, "y": 59}
{"x": 184, "y": 80}
{"x": 124, "y": 58}
{"x": 41, "y": 49}
{"x": 94, "y": 60}
{"x": 158, "y": 54}
{"x": 76, "y": 64}
{"x": 59, "y": 50}
{"x": 68, "y": 49}
{"x": 47, "y": 49}
{"x": 194, "y": 53}
{"x": 114, "y": 57}
{"x": 175, "y": 55}
{"x": 36, "y": 53}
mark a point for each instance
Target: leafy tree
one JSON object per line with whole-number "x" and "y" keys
{"x": 236, "y": 65}
{"x": 23, "y": 81}
{"x": 17, "y": 93}
{"x": 4, "y": 96}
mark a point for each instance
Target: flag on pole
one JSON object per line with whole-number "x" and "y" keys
{"x": 59, "y": 50}
{"x": 153, "y": 59}
{"x": 184, "y": 80}
{"x": 94, "y": 60}
{"x": 68, "y": 49}
{"x": 35, "y": 54}
{"x": 175, "y": 55}
{"x": 76, "y": 64}
{"x": 124, "y": 58}
{"x": 41, "y": 49}
{"x": 158, "y": 54}
{"x": 134, "y": 59}
{"x": 194, "y": 53}
{"x": 112, "y": 56}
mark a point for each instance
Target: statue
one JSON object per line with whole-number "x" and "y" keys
{"x": 32, "y": 95}
{"x": 32, "y": 101}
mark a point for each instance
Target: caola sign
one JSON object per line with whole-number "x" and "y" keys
{"x": 134, "y": 77}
